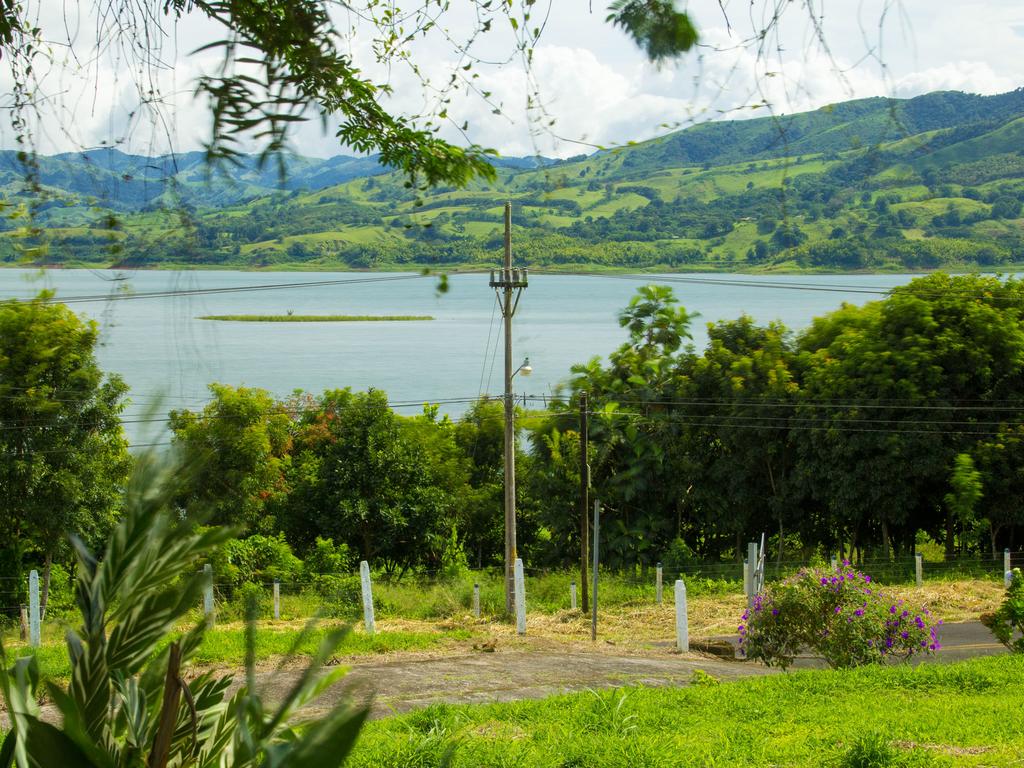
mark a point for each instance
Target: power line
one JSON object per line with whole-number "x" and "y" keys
{"x": 105, "y": 297}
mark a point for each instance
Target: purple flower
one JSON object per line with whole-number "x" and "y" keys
{"x": 739, "y": 628}
{"x": 892, "y": 609}
{"x": 904, "y": 634}
{"x": 839, "y": 608}
{"x": 775, "y": 611}
{"x": 859, "y": 612}
{"x": 867, "y": 579}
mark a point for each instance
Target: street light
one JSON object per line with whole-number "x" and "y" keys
{"x": 526, "y": 369}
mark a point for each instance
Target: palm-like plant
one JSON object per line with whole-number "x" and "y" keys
{"x": 128, "y": 703}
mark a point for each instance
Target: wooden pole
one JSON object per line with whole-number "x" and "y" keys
{"x": 657, "y": 584}
{"x": 572, "y": 596}
{"x": 584, "y": 497}
{"x": 277, "y": 600}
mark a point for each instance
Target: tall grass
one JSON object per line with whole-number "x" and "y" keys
{"x": 961, "y": 714}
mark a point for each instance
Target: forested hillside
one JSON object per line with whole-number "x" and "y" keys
{"x": 874, "y": 184}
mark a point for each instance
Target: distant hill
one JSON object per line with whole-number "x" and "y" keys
{"x": 874, "y": 184}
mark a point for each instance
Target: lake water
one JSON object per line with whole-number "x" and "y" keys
{"x": 168, "y": 356}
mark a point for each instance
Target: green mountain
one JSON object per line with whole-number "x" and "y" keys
{"x": 934, "y": 181}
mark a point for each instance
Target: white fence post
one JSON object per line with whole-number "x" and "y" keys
{"x": 572, "y": 595}
{"x": 752, "y": 571}
{"x": 1006, "y": 561}
{"x": 208, "y": 592}
{"x": 919, "y": 569}
{"x": 657, "y": 583}
{"x": 682, "y": 623}
{"x": 34, "y": 634}
{"x": 1007, "y": 579}
{"x": 277, "y": 600}
{"x": 476, "y": 601}
{"x": 746, "y": 577}
{"x": 520, "y": 588}
{"x": 364, "y": 576}
{"x": 835, "y": 563}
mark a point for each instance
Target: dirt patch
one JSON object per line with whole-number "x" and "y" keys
{"x": 508, "y": 674}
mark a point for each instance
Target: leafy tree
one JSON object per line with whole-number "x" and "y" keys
{"x": 285, "y": 59}
{"x": 1000, "y": 462}
{"x": 240, "y": 444}
{"x": 63, "y": 454}
{"x": 480, "y": 435}
{"x": 364, "y": 476}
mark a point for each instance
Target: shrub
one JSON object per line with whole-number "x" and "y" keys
{"x": 837, "y": 614}
{"x": 326, "y": 557}
{"x": 255, "y": 560}
{"x": 1010, "y": 616}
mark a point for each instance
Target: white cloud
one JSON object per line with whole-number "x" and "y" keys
{"x": 594, "y": 83}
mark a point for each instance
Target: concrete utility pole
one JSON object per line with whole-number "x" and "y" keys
{"x": 508, "y": 282}
{"x": 584, "y": 494}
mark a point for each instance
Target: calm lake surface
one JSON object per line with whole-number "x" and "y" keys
{"x": 168, "y": 356}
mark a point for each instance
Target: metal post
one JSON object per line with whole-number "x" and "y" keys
{"x": 584, "y": 493}
{"x": 746, "y": 577}
{"x": 208, "y": 592}
{"x": 572, "y": 596}
{"x": 919, "y": 569}
{"x": 1007, "y": 562}
{"x": 277, "y": 600}
{"x": 34, "y": 633}
{"x": 657, "y": 583}
{"x": 476, "y": 601}
{"x": 597, "y": 541}
{"x": 520, "y": 585}
{"x": 364, "y": 577}
{"x": 682, "y": 622}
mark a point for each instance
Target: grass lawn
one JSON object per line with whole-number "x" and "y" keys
{"x": 969, "y": 713}
{"x": 225, "y": 645}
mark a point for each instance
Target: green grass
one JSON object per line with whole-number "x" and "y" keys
{"x": 226, "y": 646}
{"x": 969, "y": 713}
{"x": 313, "y": 318}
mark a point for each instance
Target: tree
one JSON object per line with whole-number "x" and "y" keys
{"x": 366, "y": 477}
{"x": 64, "y": 455}
{"x": 894, "y": 390}
{"x": 240, "y": 444}
{"x": 284, "y": 61}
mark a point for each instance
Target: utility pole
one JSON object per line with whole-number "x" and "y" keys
{"x": 584, "y": 495}
{"x": 509, "y": 282}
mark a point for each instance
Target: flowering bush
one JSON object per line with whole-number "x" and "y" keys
{"x": 1009, "y": 619}
{"x": 837, "y": 614}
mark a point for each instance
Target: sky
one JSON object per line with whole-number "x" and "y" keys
{"x": 597, "y": 88}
